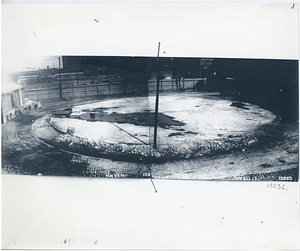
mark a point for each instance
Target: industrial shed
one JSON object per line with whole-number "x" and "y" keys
{"x": 11, "y": 99}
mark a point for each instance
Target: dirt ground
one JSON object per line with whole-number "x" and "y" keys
{"x": 275, "y": 158}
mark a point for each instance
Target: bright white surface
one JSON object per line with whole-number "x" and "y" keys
{"x": 44, "y": 212}
{"x": 210, "y": 118}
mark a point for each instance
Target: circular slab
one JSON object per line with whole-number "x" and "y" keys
{"x": 189, "y": 125}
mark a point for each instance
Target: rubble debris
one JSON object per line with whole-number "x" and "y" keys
{"x": 239, "y": 104}
{"x": 64, "y": 112}
{"x": 31, "y": 104}
{"x": 145, "y": 153}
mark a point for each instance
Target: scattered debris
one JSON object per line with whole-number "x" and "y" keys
{"x": 30, "y": 104}
{"x": 175, "y": 134}
{"x": 239, "y": 104}
{"x": 71, "y": 130}
{"x": 64, "y": 112}
{"x": 134, "y": 153}
{"x": 265, "y": 165}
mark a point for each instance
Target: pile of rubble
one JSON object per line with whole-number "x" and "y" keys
{"x": 30, "y": 104}
{"x": 145, "y": 153}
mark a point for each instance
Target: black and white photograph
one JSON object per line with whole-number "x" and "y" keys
{"x": 143, "y": 117}
{"x": 118, "y": 119}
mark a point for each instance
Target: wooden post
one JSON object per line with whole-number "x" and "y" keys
{"x": 156, "y": 103}
{"x": 20, "y": 92}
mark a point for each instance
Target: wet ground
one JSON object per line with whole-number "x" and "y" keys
{"x": 274, "y": 158}
{"x": 136, "y": 118}
{"x": 203, "y": 116}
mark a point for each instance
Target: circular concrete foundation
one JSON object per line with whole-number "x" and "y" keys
{"x": 190, "y": 125}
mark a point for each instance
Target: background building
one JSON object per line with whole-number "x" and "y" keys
{"x": 11, "y": 99}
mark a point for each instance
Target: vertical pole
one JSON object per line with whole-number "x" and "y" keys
{"x": 20, "y": 93}
{"x": 156, "y": 103}
{"x": 2, "y": 117}
{"x": 60, "y": 89}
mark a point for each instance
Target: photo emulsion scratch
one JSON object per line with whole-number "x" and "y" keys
{"x": 152, "y": 117}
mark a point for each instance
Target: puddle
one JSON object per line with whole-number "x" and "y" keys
{"x": 141, "y": 118}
